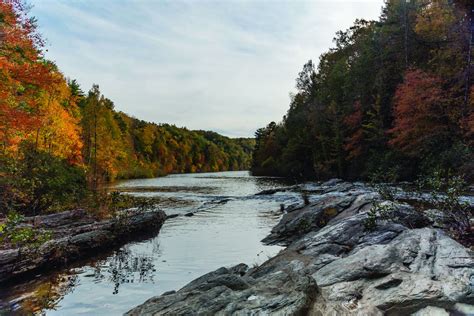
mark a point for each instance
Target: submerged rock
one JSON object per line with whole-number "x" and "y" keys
{"x": 333, "y": 265}
{"x": 75, "y": 236}
{"x": 276, "y": 190}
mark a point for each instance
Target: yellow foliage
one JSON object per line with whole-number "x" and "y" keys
{"x": 435, "y": 20}
{"x": 59, "y": 130}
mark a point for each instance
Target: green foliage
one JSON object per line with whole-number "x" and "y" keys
{"x": 117, "y": 202}
{"x": 445, "y": 190}
{"x": 120, "y": 206}
{"x": 304, "y": 225}
{"x": 390, "y": 94}
{"x": 382, "y": 182}
{"x": 37, "y": 181}
{"x": 370, "y": 222}
{"x": 116, "y": 146}
{"x": 104, "y": 203}
{"x": 379, "y": 210}
{"x": 17, "y": 235}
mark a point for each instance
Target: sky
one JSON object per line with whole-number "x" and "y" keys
{"x": 226, "y": 66}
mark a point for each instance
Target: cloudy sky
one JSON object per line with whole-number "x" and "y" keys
{"x": 226, "y": 66}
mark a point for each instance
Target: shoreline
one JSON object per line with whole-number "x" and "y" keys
{"x": 76, "y": 236}
{"x": 332, "y": 264}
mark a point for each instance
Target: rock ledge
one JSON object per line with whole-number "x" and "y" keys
{"x": 334, "y": 266}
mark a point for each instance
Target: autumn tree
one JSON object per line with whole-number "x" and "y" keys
{"x": 421, "y": 120}
{"x": 382, "y": 98}
{"x": 35, "y": 103}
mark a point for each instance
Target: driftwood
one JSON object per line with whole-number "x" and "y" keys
{"x": 76, "y": 235}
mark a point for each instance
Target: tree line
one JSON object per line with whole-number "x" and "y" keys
{"x": 56, "y": 140}
{"x": 392, "y": 95}
{"x": 117, "y": 146}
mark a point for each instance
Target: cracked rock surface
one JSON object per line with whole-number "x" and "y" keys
{"x": 333, "y": 266}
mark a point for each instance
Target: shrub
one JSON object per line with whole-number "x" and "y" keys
{"x": 17, "y": 235}
{"x": 445, "y": 191}
{"x": 381, "y": 180}
{"x": 377, "y": 211}
{"x": 37, "y": 182}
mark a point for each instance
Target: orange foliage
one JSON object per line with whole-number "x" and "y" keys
{"x": 32, "y": 91}
{"x": 59, "y": 131}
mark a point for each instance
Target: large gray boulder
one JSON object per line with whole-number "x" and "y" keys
{"x": 333, "y": 265}
{"x": 417, "y": 268}
{"x": 237, "y": 291}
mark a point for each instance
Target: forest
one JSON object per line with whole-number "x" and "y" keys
{"x": 57, "y": 141}
{"x": 393, "y": 97}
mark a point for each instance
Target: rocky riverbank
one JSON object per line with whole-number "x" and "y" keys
{"x": 75, "y": 235}
{"x": 334, "y": 265}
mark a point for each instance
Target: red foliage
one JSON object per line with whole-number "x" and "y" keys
{"x": 419, "y": 111}
{"x": 21, "y": 73}
{"x": 32, "y": 90}
{"x": 354, "y": 123}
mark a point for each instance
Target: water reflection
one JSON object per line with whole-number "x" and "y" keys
{"x": 125, "y": 267}
{"x": 37, "y": 295}
{"x": 45, "y": 292}
{"x": 227, "y": 227}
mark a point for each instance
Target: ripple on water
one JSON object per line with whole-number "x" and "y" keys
{"x": 226, "y": 229}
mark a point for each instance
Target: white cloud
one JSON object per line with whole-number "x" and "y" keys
{"x": 226, "y": 66}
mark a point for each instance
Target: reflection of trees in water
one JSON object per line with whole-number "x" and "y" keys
{"x": 38, "y": 295}
{"x": 125, "y": 267}
{"x": 49, "y": 294}
{"x": 155, "y": 243}
{"x": 45, "y": 293}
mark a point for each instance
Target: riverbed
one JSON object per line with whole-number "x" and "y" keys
{"x": 220, "y": 222}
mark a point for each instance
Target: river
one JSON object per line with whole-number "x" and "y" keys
{"x": 228, "y": 222}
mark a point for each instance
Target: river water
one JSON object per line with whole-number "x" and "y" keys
{"x": 228, "y": 223}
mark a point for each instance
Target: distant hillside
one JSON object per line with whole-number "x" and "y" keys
{"x": 126, "y": 147}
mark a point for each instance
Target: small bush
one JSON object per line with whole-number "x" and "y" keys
{"x": 444, "y": 192}
{"x": 381, "y": 181}
{"x": 376, "y": 212}
{"x": 37, "y": 182}
{"x": 14, "y": 234}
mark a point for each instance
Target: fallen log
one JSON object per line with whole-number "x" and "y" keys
{"x": 76, "y": 235}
